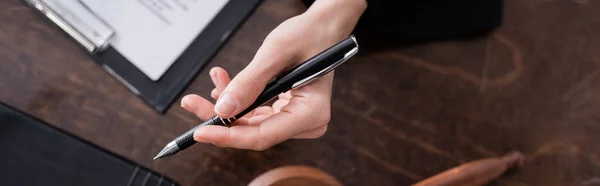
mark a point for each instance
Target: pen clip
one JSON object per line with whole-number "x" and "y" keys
{"x": 326, "y": 70}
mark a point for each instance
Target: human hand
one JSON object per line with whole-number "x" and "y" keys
{"x": 301, "y": 113}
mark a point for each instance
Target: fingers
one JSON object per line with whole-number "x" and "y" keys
{"x": 259, "y": 115}
{"x": 285, "y": 95}
{"x": 282, "y": 101}
{"x": 245, "y": 87}
{"x": 198, "y": 105}
{"x": 257, "y": 120}
{"x": 220, "y": 79}
{"x": 278, "y": 104}
{"x": 264, "y": 110}
{"x": 302, "y": 113}
{"x": 228, "y": 136}
{"x": 320, "y": 90}
{"x": 292, "y": 120}
{"x": 214, "y": 93}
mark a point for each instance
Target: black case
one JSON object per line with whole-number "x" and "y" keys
{"x": 417, "y": 21}
{"x": 36, "y": 153}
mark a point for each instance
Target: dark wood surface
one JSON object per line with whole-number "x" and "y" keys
{"x": 398, "y": 115}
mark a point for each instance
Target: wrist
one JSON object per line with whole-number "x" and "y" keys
{"x": 338, "y": 16}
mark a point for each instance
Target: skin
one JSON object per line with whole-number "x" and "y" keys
{"x": 302, "y": 113}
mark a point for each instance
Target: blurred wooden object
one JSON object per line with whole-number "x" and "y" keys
{"x": 295, "y": 176}
{"x": 475, "y": 173}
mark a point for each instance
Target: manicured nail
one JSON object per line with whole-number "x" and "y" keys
{"x": 226, "y": 104}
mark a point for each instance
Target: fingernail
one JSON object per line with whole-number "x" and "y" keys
{"x": 214, "y": 77}
{"x": 213, "y": 93}
{"x": 226, "y": 104}
{"x": 201, "y": 140}
{"x": 184, "y": 102}
{"x": 198, "y": 137}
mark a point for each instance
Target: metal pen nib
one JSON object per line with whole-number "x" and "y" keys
{"x": 187, "y": 139}
{"x": 169, "y": 150}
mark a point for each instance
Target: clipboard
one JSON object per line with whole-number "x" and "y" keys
{"x": 159, "y": 94}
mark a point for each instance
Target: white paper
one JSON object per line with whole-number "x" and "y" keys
{"x": 152, "y": 34}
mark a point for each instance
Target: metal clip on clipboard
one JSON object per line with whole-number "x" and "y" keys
{"x": 78, "y": 21}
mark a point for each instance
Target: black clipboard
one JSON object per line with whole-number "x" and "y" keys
{"x": 37, "y": 153}
{"x": 161, "y": 94}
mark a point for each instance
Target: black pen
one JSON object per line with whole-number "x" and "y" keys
{"x": 302, "y": 74}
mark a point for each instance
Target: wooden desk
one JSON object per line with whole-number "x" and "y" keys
{"x": 398, "y": 115}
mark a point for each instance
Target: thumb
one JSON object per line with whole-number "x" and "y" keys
{"x": 246, "y": 86}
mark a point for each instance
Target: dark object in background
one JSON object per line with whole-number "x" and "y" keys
{"x": 411, "y": 21}
{"x": 35, "y": 153}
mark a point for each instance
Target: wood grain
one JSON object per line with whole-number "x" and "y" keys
{"x": 399, "y": 115}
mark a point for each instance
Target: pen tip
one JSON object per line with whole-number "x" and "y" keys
{"x": 170, "y": 149}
